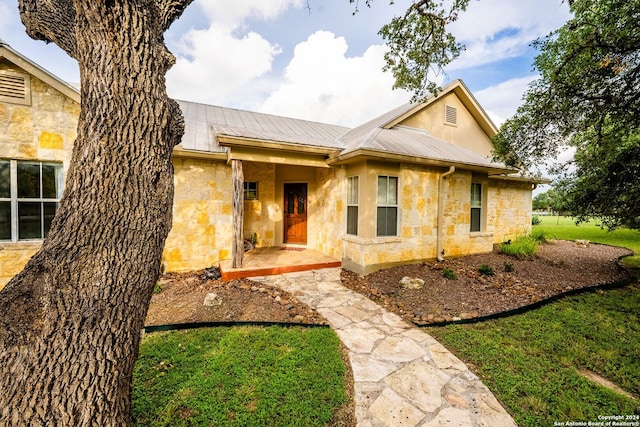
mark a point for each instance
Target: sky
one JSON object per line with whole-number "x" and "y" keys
{"x": 317, "y": 60}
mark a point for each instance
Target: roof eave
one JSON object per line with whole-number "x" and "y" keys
{"x": 236, "y": 141}
{"x": 366, "y": 154}
{"x": 32, "y": 68}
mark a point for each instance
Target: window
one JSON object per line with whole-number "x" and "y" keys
{"x": 29, "y": 196}
{"x": 250, "y": 190}
{"x": 387, "y": 218}
{"x": 476, "y": 206}
{"x": 450, "y": 115}
{"x": 352, "y": 205}
{"x": 15, "y": 87}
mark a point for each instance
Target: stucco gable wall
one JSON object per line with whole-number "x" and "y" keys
{"x": 45, "y": 130}
{"x": 467, "y": 133}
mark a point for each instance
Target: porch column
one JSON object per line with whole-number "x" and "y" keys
{"x": 237, "y": 248}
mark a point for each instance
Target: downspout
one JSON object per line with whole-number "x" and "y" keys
{"x": 440, "y": 236}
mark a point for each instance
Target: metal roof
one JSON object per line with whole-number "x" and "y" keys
{"x": 203, "y": 123}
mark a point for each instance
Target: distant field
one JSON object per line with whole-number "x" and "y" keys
{"x": 565, "y": 228}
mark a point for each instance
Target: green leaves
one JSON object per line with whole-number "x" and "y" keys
{"x": 419, "y": 43}
{"x": 587, "y": 98}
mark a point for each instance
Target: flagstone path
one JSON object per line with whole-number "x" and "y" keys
{"x": 402, "y": 376}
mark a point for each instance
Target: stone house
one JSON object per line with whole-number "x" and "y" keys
{"x": 415, "y": 183}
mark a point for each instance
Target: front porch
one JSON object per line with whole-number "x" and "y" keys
{"x": 273, "y": 260}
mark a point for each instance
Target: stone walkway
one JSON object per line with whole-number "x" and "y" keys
{"x": 402, "y": 376}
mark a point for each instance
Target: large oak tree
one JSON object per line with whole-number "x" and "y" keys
{"x": 71, "y": 320}
{"x": 587, "y": 98}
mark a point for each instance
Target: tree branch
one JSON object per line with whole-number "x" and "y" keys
{"x": 51, "y": 21}
{"x": 170, "y": 10}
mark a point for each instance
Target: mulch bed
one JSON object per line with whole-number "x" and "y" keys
{"x": 559, "y": 267}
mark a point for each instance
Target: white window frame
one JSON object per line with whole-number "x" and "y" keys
{"x": 353, "y": 183}
{"x": 14, "y": 200}
{"x": 388, "y": 203}
{"x": 476, "y": 205}
{"x": 248, "y": 193}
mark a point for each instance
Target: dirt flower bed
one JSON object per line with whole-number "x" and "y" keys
{"x": 557, "y": 268}
{"x": 464, "y": 288}
{"x": 179, "y": 298}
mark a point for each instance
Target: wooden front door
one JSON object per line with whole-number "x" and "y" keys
{"x": 295, "y": 213}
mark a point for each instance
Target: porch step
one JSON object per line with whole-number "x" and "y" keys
{"x": 274, "y": 260}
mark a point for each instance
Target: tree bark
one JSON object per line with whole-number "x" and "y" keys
{"x": 70, "y": 330}
{"x": 237, "y": 248}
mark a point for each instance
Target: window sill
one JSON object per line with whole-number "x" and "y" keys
{"x": 21, "y": 246}
{"x": 371, "y": 241}
{"x": 479, "y": 234}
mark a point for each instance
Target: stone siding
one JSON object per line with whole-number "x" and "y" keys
{"x": 45, "y": 130}
{"x": 330, "y": 211}
{"x": 261, "y": 215}
{"x": 506, "y": 215}
{"x": 509, "y": 209}
{"x": 202, "y": 215}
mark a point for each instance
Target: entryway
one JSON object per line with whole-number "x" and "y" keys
{"x": 295, "y": 213}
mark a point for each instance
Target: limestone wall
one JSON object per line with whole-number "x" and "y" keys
{"x": 330, "y": 211}
{"x": 202, "y": 215}
{"x": 45, "y": 131}
{"x": 509, "y": 209}
{"x": 506, "y": 214}
{"x": 261, "y": 215}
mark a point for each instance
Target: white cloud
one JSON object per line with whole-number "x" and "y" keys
{"x": 322, "y": 84}
{"x": 212, "y": 65}
{"x": 219, "y": 64}
{"x": 502, "y": 100}
{"x": 494, "y": 30}
{"x": 232, "y": 14}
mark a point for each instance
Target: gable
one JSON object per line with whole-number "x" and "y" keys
{"x": 448, "y": 118}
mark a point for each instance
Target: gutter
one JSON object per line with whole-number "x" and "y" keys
{"x": 440, "y": 236}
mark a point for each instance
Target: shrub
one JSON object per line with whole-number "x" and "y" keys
{"x": 508, "y": 267}
{"x": 449, "y": 274}
{"x": 157, "y": 288}
{"x": 485, "y": 270}
{"x": 524, "y": 246}
{"x": 535, "y": 220}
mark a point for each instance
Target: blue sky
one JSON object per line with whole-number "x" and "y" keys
{"x": 323, "y": 64}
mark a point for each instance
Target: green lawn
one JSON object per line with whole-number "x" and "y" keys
{"x": 566, "y": 228}
{"x": 239, "y": 376}
{"x": 532, "y": 361}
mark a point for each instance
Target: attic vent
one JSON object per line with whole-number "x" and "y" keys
{"x": 450, "y": 115}
{"x": 15, "y": 87}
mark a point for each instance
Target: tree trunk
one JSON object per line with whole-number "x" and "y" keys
{"x": 237, "y": 248}
{"x": 71, "y": 325}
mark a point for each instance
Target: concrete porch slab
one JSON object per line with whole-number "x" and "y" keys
{"x": 277, "y": 260}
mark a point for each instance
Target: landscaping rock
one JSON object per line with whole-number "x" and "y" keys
{"x": 412, "y": 283}
{"x": 212, "y": 299}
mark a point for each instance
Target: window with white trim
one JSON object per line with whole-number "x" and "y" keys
{"x": 250, "y": 190}
{"x": 387, "y": 206}
{"x": 352, "y": 205}
{"x": 29, "y": 195}
{"x": 476, "y": 206}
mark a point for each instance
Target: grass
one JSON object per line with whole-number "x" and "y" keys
{"x": 239, "y": 376}
{"x": 565, "y": 228}
{"x": 531, "y": 361}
